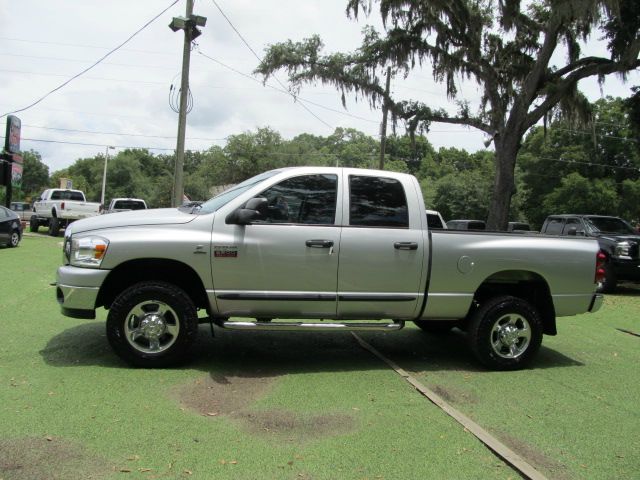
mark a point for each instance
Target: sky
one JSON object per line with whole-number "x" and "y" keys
{"x": 124, "y": 101}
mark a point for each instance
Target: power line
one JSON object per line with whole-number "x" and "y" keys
{"x": 85, "y": 78}
{"x": 285, "y": 92}
{"x": 75, "y": 60}
{"x": 260, "y": 60}
{"x": 266, "y": 154}
{"x": 583, "y": 132}
{"x": 95, "y": 144}
{"x": 95, "y": 64}
{"x": 84, "y": 46}
{"x": 93, "y": 132}
{"x": 590, "y": 164}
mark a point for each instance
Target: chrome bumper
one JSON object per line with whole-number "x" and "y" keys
{"x": 77, "y": 290}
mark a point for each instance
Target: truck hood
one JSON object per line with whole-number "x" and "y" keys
{"x": 620, "y": 238}
{"x": 158, "y": 216}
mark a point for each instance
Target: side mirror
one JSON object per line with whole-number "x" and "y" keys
{"x": 573, "y": 231}
{"x": 253, "y": 210}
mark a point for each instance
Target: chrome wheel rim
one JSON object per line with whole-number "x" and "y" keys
{"x": 151, "y": 327}
{"x": 510, "y": 336}
{"x": 15, "y": 239}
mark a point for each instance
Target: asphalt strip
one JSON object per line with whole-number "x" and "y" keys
{"x": 495, "y": 445}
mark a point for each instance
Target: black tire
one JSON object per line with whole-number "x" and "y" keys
{"x": 14, "y": 239}
{"x": 505, "y": 333}
{"x": 152, "y": 325}
{"x": 34, "y": 224}
{"x": 437, "y": 327}
{"x": 54, "y": 227}
{"x": 610, "y": 280}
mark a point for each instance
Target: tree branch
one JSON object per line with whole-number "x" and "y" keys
{"x": 565, "y": 85}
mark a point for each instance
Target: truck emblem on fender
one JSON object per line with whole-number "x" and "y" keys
{"x": 225, "y": 251}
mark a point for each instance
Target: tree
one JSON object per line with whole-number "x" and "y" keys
{"x": 577, "y": 194}
{"x": 35, "y": 175}
{"x": 630, "y": 201}
{"x": 632, "y": 106}
{"x": 251, "y": 153}
{"x": 608, "y": 150}
{"x": 411, "y": 151}
{"x": 504, "y": 46}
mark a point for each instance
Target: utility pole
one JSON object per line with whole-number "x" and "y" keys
{"x": 383, "y": 125}
{"x": 104, "y": 175}
{"x": 188, "y": 23}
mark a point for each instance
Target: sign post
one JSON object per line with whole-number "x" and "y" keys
{"x": 11, "y": 162}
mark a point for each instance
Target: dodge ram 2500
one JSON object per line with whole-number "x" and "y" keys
{"x": 348, "y": 247}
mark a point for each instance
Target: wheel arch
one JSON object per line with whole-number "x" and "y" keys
{"x": 152, "y": 269}
{"x": 524, "y": 284}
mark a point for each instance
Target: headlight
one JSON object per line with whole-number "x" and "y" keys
{"x": 622, "y": 250}
{"x": 86, "y": 251}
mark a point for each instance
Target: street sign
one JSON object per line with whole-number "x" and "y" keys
{"x": 12, "y": 136}
{"x": 16, "y": 171}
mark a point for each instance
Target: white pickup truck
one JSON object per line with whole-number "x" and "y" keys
{"x": 125, "y": 204}
{"x": 57, "y": 208}
{"x": 349, "y": 247}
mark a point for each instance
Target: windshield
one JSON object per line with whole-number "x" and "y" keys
{"x": 609, "y": 225}
{"x": 129, "y": 205}
{"x": 225, "y": 197}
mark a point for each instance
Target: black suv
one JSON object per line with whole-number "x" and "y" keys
{"x": 617, "y": 239}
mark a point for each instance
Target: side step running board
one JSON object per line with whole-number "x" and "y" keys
{"x": 301, "y": 326}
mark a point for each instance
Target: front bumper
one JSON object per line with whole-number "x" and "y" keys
{"x": 77, "y": 290}
{"x": 627, "y": 269}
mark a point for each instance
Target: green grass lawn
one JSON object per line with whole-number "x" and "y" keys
{"x": 260, "y": 405}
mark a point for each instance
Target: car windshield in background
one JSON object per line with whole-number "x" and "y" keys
{"x": 610, "y": 225}
{"x": 67, "y": 195}
{"x": 129, "y": 205}
{"x": 225, "y": 197}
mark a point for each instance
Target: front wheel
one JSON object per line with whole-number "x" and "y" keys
{"x": 505, "y": 333}
{"x": 34, "y": 224}
{"x": 54, "y": 226}
{"x": 14, "y": 239}
{"x": 152, "y": 324}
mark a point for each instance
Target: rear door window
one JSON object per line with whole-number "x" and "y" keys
{"x": 377, "y": 202}
{"x": 554, "y": 226}
{"x": 572, "y": 223}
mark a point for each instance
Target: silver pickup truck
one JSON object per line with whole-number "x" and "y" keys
{"x": 347, "y": 247}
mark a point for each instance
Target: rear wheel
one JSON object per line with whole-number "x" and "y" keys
{"x": 152, "y": 324}
{"x": 505, "y": 333}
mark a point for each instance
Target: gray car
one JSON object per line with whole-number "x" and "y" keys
{"x": 10, "y": 228}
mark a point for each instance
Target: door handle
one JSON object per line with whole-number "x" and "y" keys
{"x": 319, "y": 243}
{"x": 405, "y": 246}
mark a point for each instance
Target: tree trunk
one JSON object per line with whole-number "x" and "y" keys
{"x": 504, "y": 184}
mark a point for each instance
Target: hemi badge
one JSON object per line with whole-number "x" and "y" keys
{"x": 225, "y": 251}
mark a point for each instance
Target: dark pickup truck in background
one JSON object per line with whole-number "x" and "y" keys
{"x": 618, "y": 241}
